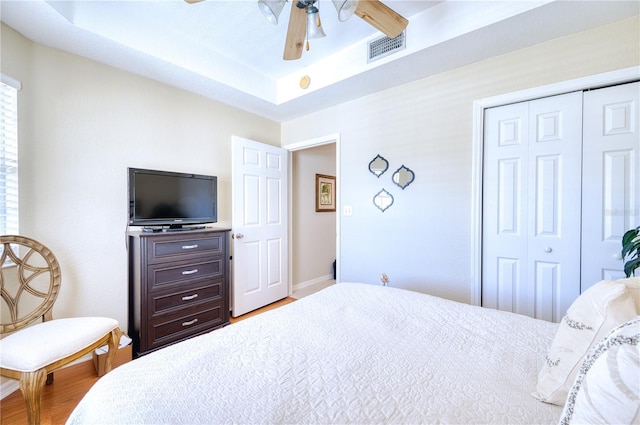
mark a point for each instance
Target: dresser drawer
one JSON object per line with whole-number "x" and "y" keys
{"x": 191, "y": 321}
{"x": 168, "y": 275}
{"x": 193, "y": 295}
{"x": 172, "y": 248}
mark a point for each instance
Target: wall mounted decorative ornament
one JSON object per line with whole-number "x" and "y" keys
{"x": 325, "y": 193}
{"x": 403, "y": 177}
{"x": 378, "y": 165}
{"x": 383, "y": 200}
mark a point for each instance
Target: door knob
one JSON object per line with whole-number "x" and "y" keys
{"x": 618, "y": 256}
{"x": 237, "y": 236}
{"x": 548, "y": 249}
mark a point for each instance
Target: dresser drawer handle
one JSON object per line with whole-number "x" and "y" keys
{"x": 190, "y": 271}
{"x": 189, "y": 246}
{"x": 189, "y": 297}
{"x": 190, "y": 322}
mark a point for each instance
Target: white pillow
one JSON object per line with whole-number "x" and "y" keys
{"x": 590, "y": 318}
{"x": 607, "y": 389}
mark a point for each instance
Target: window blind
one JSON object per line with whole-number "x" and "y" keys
{"x": 9, "y": 159}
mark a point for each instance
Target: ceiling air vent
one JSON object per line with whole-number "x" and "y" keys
{"x": 384, "y": 46}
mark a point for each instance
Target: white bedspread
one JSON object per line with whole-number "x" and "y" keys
{"x": 352, "y": 353}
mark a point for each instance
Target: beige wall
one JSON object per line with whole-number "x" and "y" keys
{"x": 81, "y": 124}
{"x": 423, "y": 241}
{"x": 313, "y": 234}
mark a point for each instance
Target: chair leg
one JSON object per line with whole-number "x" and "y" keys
{"x": 113, "y": 343}
{"x": 31, "y": 384}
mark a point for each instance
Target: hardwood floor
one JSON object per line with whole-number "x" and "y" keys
{"x": 263, "y": 309}
{"x": 70, "y": 385}
{"x": 58, "y": 399}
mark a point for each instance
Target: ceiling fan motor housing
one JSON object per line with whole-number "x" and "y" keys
{"x": 303, "y": 4}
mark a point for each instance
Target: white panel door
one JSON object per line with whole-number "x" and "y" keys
{"x": 504, "y": 231}
{"x": 555, "y": 173}
{"x": 259, "y": 238}
{"x": 611, "y": 180}
{"x": 531, "y": 206}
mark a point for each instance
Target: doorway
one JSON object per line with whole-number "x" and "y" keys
{"x": 313, "y": 235}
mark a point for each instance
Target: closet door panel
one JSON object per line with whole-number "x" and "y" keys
{"x": 504, "y": 243}
{"x": 548, "y": 292}
{"x": 531, "y": 206}
{"x": 611, "y": 182}
{"x": 555, "y": 146}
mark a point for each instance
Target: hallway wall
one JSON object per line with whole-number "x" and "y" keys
{"x": 313, "y": 233}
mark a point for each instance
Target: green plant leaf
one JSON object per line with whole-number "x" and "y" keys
{"x": 630, "y": 266}
{"x": 630, "y": 242}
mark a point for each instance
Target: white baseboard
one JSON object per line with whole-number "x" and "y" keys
{"x": 306, "y": 284}
{"x": 8, "y": 388}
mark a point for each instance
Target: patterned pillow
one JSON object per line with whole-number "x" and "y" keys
{"x": 607, "y": 389}
{"x": 590, "y": 318}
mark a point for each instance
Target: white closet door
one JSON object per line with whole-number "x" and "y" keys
{"x": 611, "y": 182}
{"x": 531, "y": 206}
{"x": 555, "y": 174}
{"x": 504, "y": 224}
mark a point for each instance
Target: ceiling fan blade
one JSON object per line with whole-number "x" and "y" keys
{"x": 380, "y": 16}
{"x": 193, "y": 1}
{"x": 296, "y": 33}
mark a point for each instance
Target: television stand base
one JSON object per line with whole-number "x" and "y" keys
{"x": 170, "y": 229}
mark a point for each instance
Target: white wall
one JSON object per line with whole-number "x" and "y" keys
{"x": 423, "y": 241}
{"x": 313, "y": 233}
{"x": 81, "y": 124}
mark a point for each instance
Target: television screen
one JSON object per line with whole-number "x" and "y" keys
{"x": 164, "y": 198}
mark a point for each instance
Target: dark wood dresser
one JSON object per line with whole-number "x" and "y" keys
{"x": 178, "y": 286}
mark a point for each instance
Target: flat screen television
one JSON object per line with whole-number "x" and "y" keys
{"x": 165, "y": 199}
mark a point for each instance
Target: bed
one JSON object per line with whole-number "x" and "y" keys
{"x": 351, "y": 353}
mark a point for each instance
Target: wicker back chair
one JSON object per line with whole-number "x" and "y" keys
{"x": 37, "y": 345}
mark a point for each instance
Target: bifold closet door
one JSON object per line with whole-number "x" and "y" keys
{"x": 531, "y": 206}
{"x": 611, "y": 182}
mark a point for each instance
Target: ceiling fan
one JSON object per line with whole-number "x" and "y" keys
{"x": 304, "y": 22}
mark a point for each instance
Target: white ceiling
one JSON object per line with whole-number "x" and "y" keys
{"x": 227, "y": 51}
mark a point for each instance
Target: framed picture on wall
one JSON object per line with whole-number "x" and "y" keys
{"x": 325, "y": 193}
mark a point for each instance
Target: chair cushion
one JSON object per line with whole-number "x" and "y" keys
{"x": 32, "y": 348}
